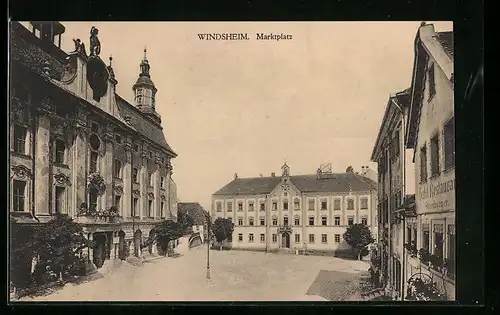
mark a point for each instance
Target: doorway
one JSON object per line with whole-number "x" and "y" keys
{"x": 285, "y": 240}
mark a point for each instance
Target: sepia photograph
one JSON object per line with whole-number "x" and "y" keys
{"x": 231, "y": 161}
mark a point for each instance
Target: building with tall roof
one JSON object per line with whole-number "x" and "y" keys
{"x": 77, "y": 148}
{"x": 296, "y": 212}
{"x": 418, "y": 230}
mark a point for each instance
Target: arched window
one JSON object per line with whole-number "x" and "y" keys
{"x": 296, "y": 220}
{"x": 275, "y": 220}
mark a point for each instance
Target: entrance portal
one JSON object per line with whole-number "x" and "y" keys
{"x": 285, "y": 240}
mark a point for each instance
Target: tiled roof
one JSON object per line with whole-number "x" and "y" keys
{"x": 446, "y": 40}
{"x": 340, "y": 182}
{"x": 31, "y": 55}
{"x": 194, "y": 210}
{"x": 141, "y": 124}
{"x": 249, "y": 186}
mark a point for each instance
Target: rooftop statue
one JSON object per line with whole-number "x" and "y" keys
{"x": 95, "y": 44}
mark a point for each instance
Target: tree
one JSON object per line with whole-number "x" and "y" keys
{"x": 349, "y": 169}
{"x": 185, "y": 220}
{"x": 164, "y": 232}
{"x": 56, "y": 243}
{"x": 358, "y": 236}
{"x": 222, "y": 229}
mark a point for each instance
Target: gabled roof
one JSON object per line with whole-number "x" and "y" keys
{"x": 194, "y": 210}
{"x": 402, "y": 99}
{"x": 427, "y": 43}
{"x": 338, "y": 182}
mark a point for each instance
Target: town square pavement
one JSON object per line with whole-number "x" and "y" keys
{"x": 235, "y": 276}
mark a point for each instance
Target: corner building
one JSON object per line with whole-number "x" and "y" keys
{"x": 301, "y": 212}
{"x": 67, "y": 126}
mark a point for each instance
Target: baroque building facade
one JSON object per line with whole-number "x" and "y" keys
{"x": 296, "y": 212}
{"x": 79, "y": 149}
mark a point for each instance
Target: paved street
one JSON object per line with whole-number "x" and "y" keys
{"x": 235, "y": 276}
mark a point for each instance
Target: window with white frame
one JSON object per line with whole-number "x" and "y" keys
{"x": 240, "y": 206}
{"x": 240, "y": 221}
{"x": 363, "y": 203}
{"x": 423, "y": 164}
{"x": 285, "y": 205}
{"x": 275, "y": 238}
{"x": 324, "y": 205}
{"x": 19, "y": 195}
{"x": 297, "y": 238}
{"x": 435, "y": 155}
{"x": 218, "y": 206}
{"x": 262, "y": 206}
{"x": 297, "y": 220}
{"x": 250, "y": 221}
{"x": 364, "y": 220}
{"x": 275, "y": 205}
{"x": 262, "y": 238}
{"x": 275, "y": 221}
{"x": 337, "y": 220}
{"x": 324, "y": 220}
{"x": 311, "y": 205}
{"x": 285, "y": 220}
{"x": 311, "y": 221}
{"x": 250, "y": 206}
{"x": 240, "y": 237}
{"x": 311, "y": 238}
{"x": 350, "y": 204}
{"x": 337, "y": 238}
{"x": 324, "y": 238}
{"x": 336, "y": 204}
{"x": 296, "y": 204}
{"x": 350, "y": 220}
{"x": 250, "y": 238}
{"x": 229, "y": 206}
{"x": 262, "y": 221}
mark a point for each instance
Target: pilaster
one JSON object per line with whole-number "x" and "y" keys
{"x": 144, "y": 185}
{"x": 42, "y": 164}
{"x": 126, "y": 210}
{"x": 157, "y": 183}
{"x": 107, "y": 168}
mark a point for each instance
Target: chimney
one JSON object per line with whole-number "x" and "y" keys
{"x": 319, "y": 173}
{"x": 273, "y": 174}
{"x": 235, "y": 175}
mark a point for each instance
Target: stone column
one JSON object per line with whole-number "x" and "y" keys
{"x": 126, "y": 210}
{"x": 107, "y": 169}
{"x": 42, "y": 174}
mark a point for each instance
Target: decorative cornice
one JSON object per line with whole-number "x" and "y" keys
{"x": 151, "y": 195}
{"x": 157, "y": 160}
{"x": 21, "y": 172}
{"x": 62, "y": 179}
{"x": 144, "y": 154}
{"x": 118, "y": 190}
{"x": 163, "y": 198}
{"x": 128, "y": 146}
{"x": 136, "y": 193}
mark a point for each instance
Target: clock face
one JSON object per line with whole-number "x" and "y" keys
{"x": 97, "y": 76}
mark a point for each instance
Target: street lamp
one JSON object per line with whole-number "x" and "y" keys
{"x": 208, "y": 244}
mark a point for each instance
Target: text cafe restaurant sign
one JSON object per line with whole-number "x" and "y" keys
{"x": 438, "y": 195}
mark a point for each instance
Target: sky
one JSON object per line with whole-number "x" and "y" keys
{"x": 247, "y": 107}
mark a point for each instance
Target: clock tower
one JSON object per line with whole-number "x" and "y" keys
{"x": 145, "y": 91}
